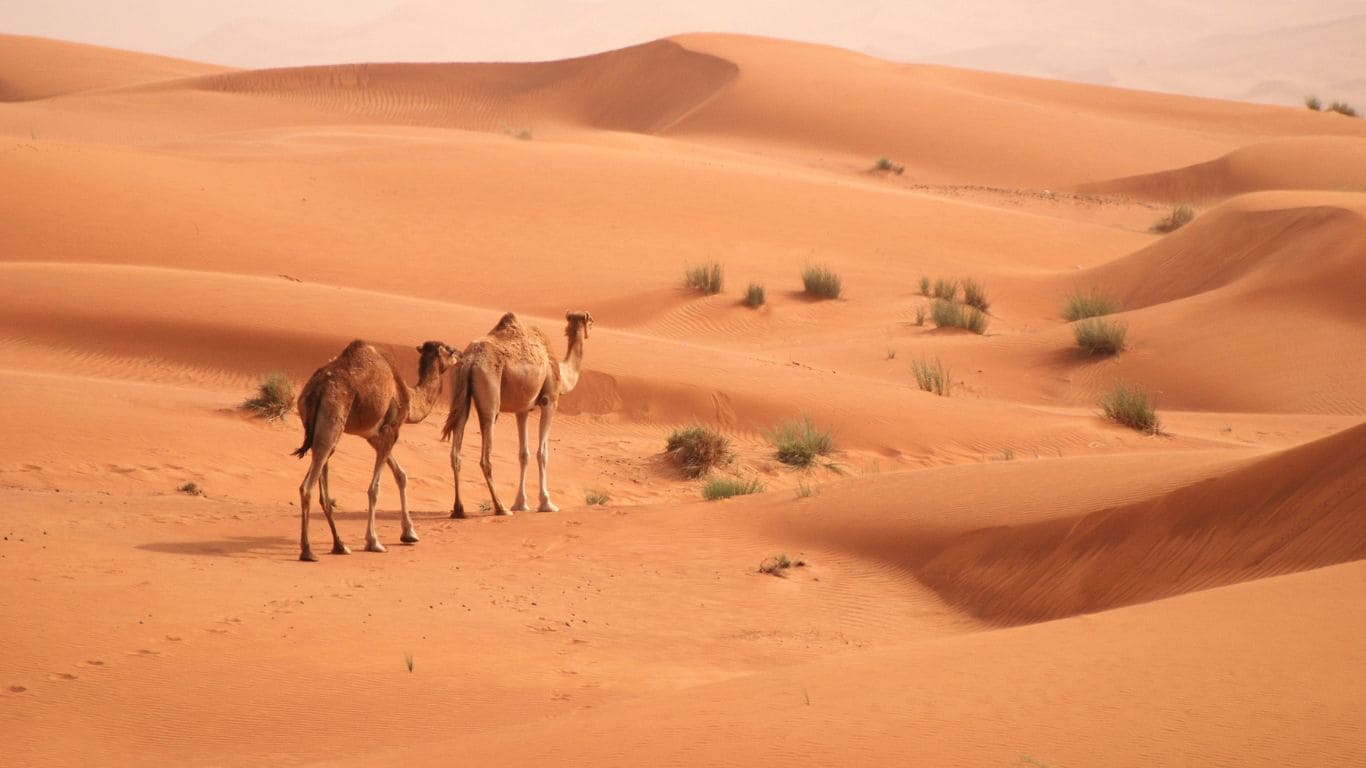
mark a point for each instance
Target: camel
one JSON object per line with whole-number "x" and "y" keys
{"x": 360, "y": 392}
{"x": 511, "y": 370}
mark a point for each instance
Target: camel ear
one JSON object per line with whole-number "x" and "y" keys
{"x": 567, "y": 313}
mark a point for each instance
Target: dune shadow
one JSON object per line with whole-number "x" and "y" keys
{"x": 233, "y": 546}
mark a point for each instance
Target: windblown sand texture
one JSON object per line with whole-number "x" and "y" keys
{"x": 996, "y": 577}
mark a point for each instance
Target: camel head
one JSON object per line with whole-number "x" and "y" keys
{"x": 578, "y": 319}
{"x": 437, "y": 353}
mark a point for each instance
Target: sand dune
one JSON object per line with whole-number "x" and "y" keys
{"x": 997, "y": 573}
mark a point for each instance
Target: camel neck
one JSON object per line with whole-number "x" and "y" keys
{"x": 573, "y": 359}
{"x": 423, "y": 396}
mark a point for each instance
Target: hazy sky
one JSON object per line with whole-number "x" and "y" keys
{"x": 1137, "y": 43}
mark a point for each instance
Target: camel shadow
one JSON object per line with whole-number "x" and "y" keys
{"x": 233, "y": 546}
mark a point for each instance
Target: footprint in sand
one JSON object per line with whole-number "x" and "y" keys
{"x": 95, "y": 662}
{"x": 17, "y": 689}
{"x": 62, "y": 676}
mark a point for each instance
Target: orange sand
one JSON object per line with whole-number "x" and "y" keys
{"x": 994, "y": 577}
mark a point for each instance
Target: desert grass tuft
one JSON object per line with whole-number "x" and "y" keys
{"x": 1312, "y": 102}
{"x": 1100, "y": 337}
{"x": 945, "y": 289}
{"x": 698, "y": 450}
{"x": 1180, "y": 216}
{"x": 800, "y": 441}
{"x": 885, "y": 163}
{"x": 932, "y": 377}
{"x": 920, "y": 315}
{"x": 408, "y": 660}
{"x": 947, "y": 314}
{"x": 1342, "y": 108}
{"x": 1081, "y": 305}
{"x": 1128, "y": 405}
{"x": 779, "y": 564}
{"x": 706, "y": 278}
{"x": 805, "y": 490}
{"x": 274, "y": 397}
{"x": 597, "y": 498}
{"x": 726, "y": 487}
{"x": 191, "y": 488}
{"x": 975, "y": 295}
{"x": 754, "y": 295}
{"x": 924, "y": 286}
{"x": 822, "y": 282}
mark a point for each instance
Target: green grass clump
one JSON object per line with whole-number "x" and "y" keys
{"x": 1342, "y": 108}
{"x": 726, "y": 487}
{"x": 822, "y": 282}
{"x": 698, "y": 449}
{"x": 885, "y": 163}
{"x": 274, "y": 397}
{"x": 920, "y": 315}
{"x": 975, "y": 295}
{"x": 1129, "y": 406}
{"x": 596, "y": 498}
{"x": 799, "y": 442}
{"x": 947, "y": 314}
{"x": 1081, "y": 305}
{"x": 1312, "y": 102}
{"x": 945, "y": 289}
{"x": 706, "y": 278}
{"x": 1180, "y": 216}
{"x": 932, "y": 377}
{"x": 1100, "y": 337}
{"x": 924, "y": 286}
{"x": 754, "y": 295}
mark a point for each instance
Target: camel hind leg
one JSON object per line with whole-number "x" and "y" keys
{"x": 523, "y": 456}
{"x": 488, "y": 413}
{"x": 458, "y": 437}
{"x": 325, "y": 501}
{"x": 383, "y": 445}
{"x": 324, "y": 443}
{"x": 543, "y": 458}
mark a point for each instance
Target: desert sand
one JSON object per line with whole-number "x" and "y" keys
{"x": 998, "y": 577}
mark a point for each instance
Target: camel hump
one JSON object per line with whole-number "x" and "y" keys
{"x": 508, "y": 322}
{"x": 353, "y": 348}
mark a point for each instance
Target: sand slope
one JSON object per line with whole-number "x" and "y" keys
{"x": 985, "y": 573}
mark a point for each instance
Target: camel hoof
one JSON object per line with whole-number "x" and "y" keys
{"x": 548, "y": 507}
{"x": 375, "y": 546}
{"x": 341, "y": 549}
{"x": 521, "y": 507}
{"x": 409, "y": 538}
{"x": 503, "y": 512}
{"x": 458, "y": 513}
{"x": 308, "y": 557}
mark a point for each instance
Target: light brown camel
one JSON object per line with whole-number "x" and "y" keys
{"x": 511, "y": 370}
{"x": 360, "y": 392}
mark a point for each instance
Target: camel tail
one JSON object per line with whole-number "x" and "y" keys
{"x": 460, "y": 398}
{"x": 308, "y": 414}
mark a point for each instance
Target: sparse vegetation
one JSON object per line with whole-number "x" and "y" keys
{"x": 698, "y": 450}
{"x": 891, "y": 353}
{"x": 754, "y": 295}
{"x": 1081, "y": 305}
{"x": 274, "y": 397}
{"x": 778, "y": 565}
{"x": 885, "y": 163}
{"x": 191, "y": 488}
{"x": 706, "y": 278}
{"x": 799, "y": 442}
{"x": 1100, "y": 337}
{"x": 1180, "y": 216}
{"x": 1312, "y": 102}
{"x": 945, "y": 289}
{"x": 932, "y": 377}
{"x": 920, "y": 315}
{"x": 822, "y": 282}
{"x": 726, "y": 487}
{"x": 806, "y": 490}
{"x": 408, "y": 659}
{"x": 947, "y": 314}
{"x": 597, "y": 498}
{"x": 1007, "y": 454}
{"x": 1128, "y": 405}
{"x": 924, "y": 286}
{"x": 1342, "y": 108}
{"x": 975, "y": 295}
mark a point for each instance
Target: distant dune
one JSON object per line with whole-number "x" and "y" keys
{"x": 993, "y": 577}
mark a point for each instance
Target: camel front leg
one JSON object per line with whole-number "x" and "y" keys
{"x": 543, "y": 458}
{"x": 458, "y": 437}
{"x": 409, "y": 532}
{"x": 524, "y": 456}
{"x": 383, "y": 445}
